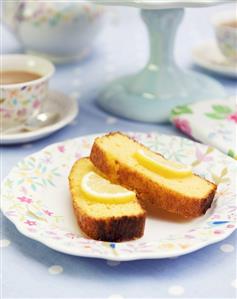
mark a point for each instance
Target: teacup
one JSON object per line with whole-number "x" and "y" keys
{"x": 67, "y": 29}
{"x": 225, "y": 24}
{"x": 23, "y": 88}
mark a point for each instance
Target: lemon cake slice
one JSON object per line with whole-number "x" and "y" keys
{"x": 104, "y": 211}
{"x": 157, "y": 181}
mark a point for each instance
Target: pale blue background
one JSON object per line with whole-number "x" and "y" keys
{"x": 207, "y": 273}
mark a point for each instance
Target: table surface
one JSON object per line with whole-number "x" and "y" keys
{"x": 28, "y": 267}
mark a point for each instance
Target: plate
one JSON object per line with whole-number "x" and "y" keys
{"x": 209, "y": 57}
{"x": 36, "y": 199}
{"x": 66, "y": 106}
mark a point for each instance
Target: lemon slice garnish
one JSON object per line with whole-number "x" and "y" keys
{"x": 162, "y": 166}
{"x": 101, "y": 190}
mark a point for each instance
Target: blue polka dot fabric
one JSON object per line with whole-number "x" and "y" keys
{"x": 32, "y": 270}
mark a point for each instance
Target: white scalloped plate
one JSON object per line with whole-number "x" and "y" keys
{"x": 36, "y": 198}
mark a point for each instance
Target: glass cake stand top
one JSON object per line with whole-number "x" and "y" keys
{"x": 151, "y": 94}
{"x": 162, "y": 4}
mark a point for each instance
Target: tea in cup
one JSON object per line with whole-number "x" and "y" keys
{"x": 225, "y": 24}
{"x": 24, "y": 83}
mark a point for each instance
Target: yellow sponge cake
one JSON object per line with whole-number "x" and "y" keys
{"x": 184, "y": 193}
{"x": 118, "y": 220}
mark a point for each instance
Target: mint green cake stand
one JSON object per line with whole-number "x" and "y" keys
{"x": 150, "y": 94}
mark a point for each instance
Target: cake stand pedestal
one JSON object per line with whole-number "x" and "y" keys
{"x": 161, "y": 85}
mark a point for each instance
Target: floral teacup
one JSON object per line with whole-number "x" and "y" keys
{"x": 21, "y": 101}
{"x": 225, "y": 24}
{"x": 61, "y": 31}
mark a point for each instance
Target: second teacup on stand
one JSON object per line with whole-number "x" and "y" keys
{"x": 219, "y": 55}
{"x": 225, "y": 26}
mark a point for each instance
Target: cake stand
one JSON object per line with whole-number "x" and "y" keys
{"x": 161, "y": 85}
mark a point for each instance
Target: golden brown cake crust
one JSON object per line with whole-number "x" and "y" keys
{"x": 146, "y": 189}
{"x": 113, "y": 229}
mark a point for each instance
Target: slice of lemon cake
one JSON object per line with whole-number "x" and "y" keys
{"x": 104, "y": 211}
{"x": 157, "y": 181}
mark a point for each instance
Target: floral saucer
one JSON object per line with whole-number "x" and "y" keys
{"x": 209, "y": 57}
{"x": 36, "y": 198}
{"x": 65, "y": 106}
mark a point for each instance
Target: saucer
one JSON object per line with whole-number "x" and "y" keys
{"x": 209, "y": 57}
{"x": 65, "y": 106}
{"x": 57, "y": 59}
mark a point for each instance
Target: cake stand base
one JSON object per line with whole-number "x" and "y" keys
{"x": 150, "y": 95}
{"x": 145, "y": 106}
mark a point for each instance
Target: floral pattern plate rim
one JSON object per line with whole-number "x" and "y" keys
{"x": 35, "y": 197}
{"x": 66, "y": 106}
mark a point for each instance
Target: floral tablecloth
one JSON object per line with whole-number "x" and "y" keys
{"x": 211, "y": 122}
